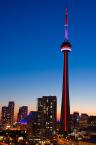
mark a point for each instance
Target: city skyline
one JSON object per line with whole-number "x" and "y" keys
{"x": 30, "y": 58}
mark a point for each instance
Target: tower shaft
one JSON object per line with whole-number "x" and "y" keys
{"x": 65, "y": 106}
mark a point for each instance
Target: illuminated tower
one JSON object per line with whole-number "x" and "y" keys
{"x": 65, "y": 106}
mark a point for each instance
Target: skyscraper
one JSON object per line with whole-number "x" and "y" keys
{"x": 23, "y": 112}
{"x": 76, "y": 120}
{"x": 11, "y": 112}
{"x": 4, "y": 117}
{"x": 47, "y": 108}
{"x": 33, "y": 125}
{"x": 7, "y": 115}
{"x": 65, "y": 106}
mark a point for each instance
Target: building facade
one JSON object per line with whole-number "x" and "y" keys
{"x": 11, "y": 113}
{"x": 76, "y": 120}
{"x": 4, "y": 117}
{"x": 23, "y": 112}
{"x": 7, "y": 115}
{"x": 47, "y": 108}
{"x": 33, "y": 125}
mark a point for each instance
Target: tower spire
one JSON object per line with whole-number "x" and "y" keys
{"x": 66, "y": 23}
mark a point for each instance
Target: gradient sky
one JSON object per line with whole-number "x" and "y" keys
{"x": 31, "y": 64}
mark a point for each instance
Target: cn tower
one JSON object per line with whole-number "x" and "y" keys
{"x": 65, "y": 104}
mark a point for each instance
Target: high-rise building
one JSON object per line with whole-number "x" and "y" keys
{"x": 83, "y": 123}
{"x": 47, "y": 108}
{"x": 65, "y": 105}
{"x": 11, "y": 112}
{"x": 19, "y": 115}
{"x": 4, "y": 117}
{"x": 23, "y": 112}
{"x": 76, "y": 120}
{"x": 33, "y": 125}
{"x": 7, "y": 115}
{"x": 40, "y": 117}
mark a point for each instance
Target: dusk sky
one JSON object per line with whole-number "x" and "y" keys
{"x": 31, "y": 63}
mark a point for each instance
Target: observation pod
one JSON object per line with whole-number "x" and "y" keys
{"x": 66, "y": 46}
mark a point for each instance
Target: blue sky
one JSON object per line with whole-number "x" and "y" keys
{"x": 31, "y": 63}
